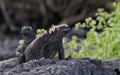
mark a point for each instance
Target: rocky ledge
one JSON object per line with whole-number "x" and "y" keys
{"x": 81, "y": 66}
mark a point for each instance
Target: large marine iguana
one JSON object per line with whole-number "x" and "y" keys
{"x": 28, "y": 35}
{"x": 48, "y": 44}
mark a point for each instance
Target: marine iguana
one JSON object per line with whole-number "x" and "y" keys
{"x": 48, "y": 44}
{"x": 28, "y": 35}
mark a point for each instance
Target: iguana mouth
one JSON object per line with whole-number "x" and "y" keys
{"x": 26, "y": 34}
{"x": 66, "y": 29}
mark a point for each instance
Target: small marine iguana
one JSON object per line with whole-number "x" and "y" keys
{"x": 28, "y": 35}
{"x": 48, "y": 44}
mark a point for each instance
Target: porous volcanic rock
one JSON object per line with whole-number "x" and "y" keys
{"x": 81, "y": 66}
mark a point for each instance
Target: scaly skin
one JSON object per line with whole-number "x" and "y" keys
{"x": 48, "y": 44}
{"x": 28, "y": 36}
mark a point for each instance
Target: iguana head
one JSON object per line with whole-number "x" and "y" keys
{"x": 59, "y": 31}
{"x": 27, "y": 31}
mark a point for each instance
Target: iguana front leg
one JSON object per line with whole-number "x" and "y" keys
{"x": 20, "y": 55}
{"x": 61, "y": 54}
{"x": 21, "y": 58}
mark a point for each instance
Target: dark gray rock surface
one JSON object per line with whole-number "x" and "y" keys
{"x": 114, "y": 65}
{"x": 83, "y": 66}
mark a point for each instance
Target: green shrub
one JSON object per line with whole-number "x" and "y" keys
{"x": 39, "y": 31}
{"x": 104, "y": 45}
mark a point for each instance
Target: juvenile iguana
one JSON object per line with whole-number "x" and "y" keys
{"x": 28, "y": 36}
{"x": 48, "y": 44}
